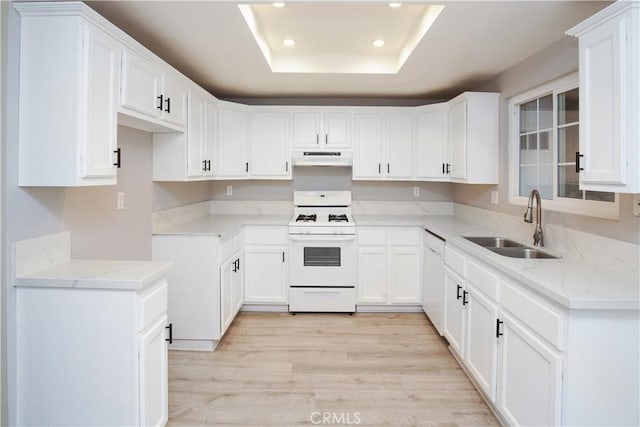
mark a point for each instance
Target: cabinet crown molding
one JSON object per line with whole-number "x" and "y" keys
{"x": 605, "y": 14}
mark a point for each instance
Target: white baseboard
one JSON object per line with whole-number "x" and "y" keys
{"x": 193, "y": 345}
{"x": 360, "y": 308}
{"x": 278, "y": 308}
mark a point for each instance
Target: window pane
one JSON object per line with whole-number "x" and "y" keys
{"x": 545, "y": 181}
{"x": 546, "y": 151}
{"x": 546, "y": 112}
{"x": 600, "y": 196}
{"x": 529, "y": 116}
{"x": 568, "y": 182}
{"x": 567, "y": 144}
{"x": 568, "y": 107}
{"x": 528, "y": 145}
{"x": 528, "y": 177}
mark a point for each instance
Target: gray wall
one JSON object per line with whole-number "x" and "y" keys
{"x": 329, "y": 178}
{"x": 555, "y": 61}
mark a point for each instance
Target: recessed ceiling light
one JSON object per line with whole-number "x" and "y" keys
{"x": 378, "y": 43}
{"x": 395, "y": 4}
{"x": 288, "y": 42}
{"x": 279, "y": 4}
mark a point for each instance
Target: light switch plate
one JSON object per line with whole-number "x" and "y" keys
{"x": 494, "y": 197}
{"x": 120, "y": 200}
{"x": 229, "y": 190}
{"x": 416, "y": 191}
{"x": 636, "y": 204}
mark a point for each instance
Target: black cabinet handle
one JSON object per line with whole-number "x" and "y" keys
{"x": 238, "y": 264}
{"x": 286, "y": 166}
{"x": 498, "y": 323}
{"x": 578, "y": 168}
{"x": 234, "y": 269}
{"x": 317, "y": 138}
{"x": 118, "y": 154}
{"x": 388, "y": 168}
{"x": 448, "y": 168}
{"x": 326, "y": 138}
{"x": 209, "y": 165}
{"x": 443, "y": 168}
{"x": 159, "y": 106}
{"x": 168, "y": 103}
{"x": 464, "y": 297}
{"x": 379, "y": 168}
{"x": 246, "y": 167}
{"x": 170, "y": 328}
{"x": 459, "y": 288}
{"x": 282, "y": 256}
{"x": 204, "y": 165}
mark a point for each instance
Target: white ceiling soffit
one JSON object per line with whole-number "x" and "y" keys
{"x": 338, "y": 38}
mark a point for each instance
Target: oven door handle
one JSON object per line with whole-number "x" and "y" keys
{"x": 322, "y": 238}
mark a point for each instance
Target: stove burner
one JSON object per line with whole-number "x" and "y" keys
{"x": 306, "y": 218}
{"x": 338, "y": 218}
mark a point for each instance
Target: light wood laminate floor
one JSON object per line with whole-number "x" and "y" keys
{"x": 275, "y": 369}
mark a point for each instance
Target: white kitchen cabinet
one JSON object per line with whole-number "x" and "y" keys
{"x": 190, "y": 155}
{"x": 322, "y": 129}
{"x": 432, "y": 143}
{"x": 231, "y": 289}
{"x": 154, "y": 97}
{"x": 433, "y": 279}
{"x": 265, "y": 275}
{"x": 530, "y": 379}
{"x": 270, "y": 152}
{"x": 78, "y": 62}
{"x": 109, "y": 366}
{"x": 383, "y": 146}
{"x": 389, "y": 266}
{"x": 473, "y": 138}
{"x": 454, "y": 311}
{"x": 233, "y": 138}
{"x": 609, "y": 64}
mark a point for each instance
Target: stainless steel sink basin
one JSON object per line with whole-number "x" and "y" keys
{"x": 495, "y": 242}
{"x": 522, "y": 252}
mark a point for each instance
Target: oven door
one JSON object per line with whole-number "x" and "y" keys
{"x": 322, "y": 260}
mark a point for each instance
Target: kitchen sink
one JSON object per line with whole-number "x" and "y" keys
{"x": 495, "y": 242}
{"x": 509, "y": 248}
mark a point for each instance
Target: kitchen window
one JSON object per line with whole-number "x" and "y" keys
{"x": 544, "y": 131}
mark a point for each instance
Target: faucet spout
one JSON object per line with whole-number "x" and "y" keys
{"x": 538, "y": 238}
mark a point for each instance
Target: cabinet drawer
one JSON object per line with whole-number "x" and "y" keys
{"x": 372, "y": 237}
{"x": 404, "y": 237}
{"x": 483, "y": 279}
{"x": 153, "y": 304}
{"x": 308, "y": 299}
{"x": 455, "y": 260}
{"x": 541, "y": 318}
{"x": 266, "y": 236}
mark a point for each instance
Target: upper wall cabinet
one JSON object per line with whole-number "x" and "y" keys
{"x": 473, "y": 138}
{"x": 269, "y": 147}
{"x": 383, "y": 146}
{"x": 152, "y": 99}
{"x": 190, "y": 155}
{"x": 322, "y": 130}
{"x": 233, "y": 154}
{"x": 609, "y": 46}
{"x": 69, "y": 82}
{"x": 432, "y": 143}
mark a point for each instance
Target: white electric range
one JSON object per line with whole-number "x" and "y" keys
{"x": 322, "y": 253}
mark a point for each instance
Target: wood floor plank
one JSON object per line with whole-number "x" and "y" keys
{"x": 275, "y": 369}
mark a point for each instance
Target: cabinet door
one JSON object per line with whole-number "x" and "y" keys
{"x": 196, "y": 165}
{"x": 603, "y": 82}
{"x": 269, "y": 145}
{"x": 433, "y": 281}
{"x": 265, "y": 275}
{"x": 432, "y": 145}
{"x": 306, "y": 130}
{"x": 481, "y": 344}
{"x": 337, "y": 130}
{"x": 174, "y": 93}
{"x": 227, "y": 294}
{"x": 209, "y": 137}
{"x": 367, "y": 162}
{"x": 530, "y": 378}
{"x": 399, "y": 146}
{"x": 454, "y": 311}
{"x": 404, "y": 281}
{"x": 233, "y": 161}
{"x": 102, "y": 85}
{"x": 372, "y": 274}
{"x": 141, "y": 81}
{"x": 153, "y": 371}
{"x": 458, "y": 138}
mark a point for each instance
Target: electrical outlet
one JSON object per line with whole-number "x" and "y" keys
{"x": 494, "y": 197}
{"x": 229, "y": 190}
{"x": 416, "y": 191}
{"x": 120, "y": 200}
{"x": 636, "y": 204}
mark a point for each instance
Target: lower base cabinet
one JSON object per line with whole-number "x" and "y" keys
{"x": 231, "y": 289}
{"x": 92, "y": 356}
{"x": 265, "y": 278}
{"x": 454, "y": 313}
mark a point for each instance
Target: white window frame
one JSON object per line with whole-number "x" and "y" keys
{"x": 609, "y": 210}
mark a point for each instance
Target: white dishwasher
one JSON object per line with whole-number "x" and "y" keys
{"x": 433, "y": 279}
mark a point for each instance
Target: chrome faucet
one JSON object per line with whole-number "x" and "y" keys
{"x": 538, "y": 239}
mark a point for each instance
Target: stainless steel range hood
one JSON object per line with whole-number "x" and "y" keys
{"x": 322, "y": 158}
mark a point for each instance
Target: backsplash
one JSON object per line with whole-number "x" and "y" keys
{"x": 564, "y": 241}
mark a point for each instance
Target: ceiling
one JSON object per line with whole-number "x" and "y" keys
{"x": 468, "y": 43}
